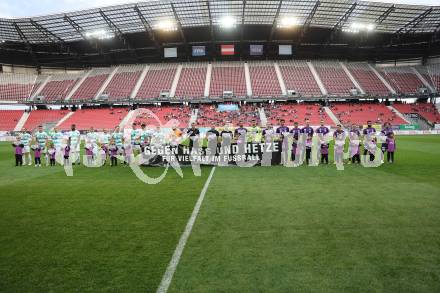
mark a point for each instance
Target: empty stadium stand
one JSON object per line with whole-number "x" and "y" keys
{"x": 192, "y": 81}
{"x": 402, "y": 79}
{"x": 334, "y": 78}
{"x": 228, "y": 76}
{"x": 91, "y": 85}
{"x": 159, "y": 78}
{"x": 296, "y": 113}
{"x": 41, "y": 117}
{"x": 349, "y": 113}
{"x": 297, "y": 76}
{"x": 16, "y": 87}
{"x": 368, "y": 80}
{"x": 427, "y": 111}
{"x": 59, "y": 86}
{"x": 97, "y": 118}
{"x": 123, "y": 82}
{"x": 209, "y": 116}
{"x": 264, "y": 80}
{"x": 9, "y": 118}
{"x": 433, "y": 71}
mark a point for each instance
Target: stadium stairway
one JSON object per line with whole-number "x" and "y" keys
{"x": 389, "y": 87}
{"x": 127, "y": 118}
{"x": 332, "y": 115}
{"x": 263, "y": 117}
{"x": 106, "y": 83}
{"x": 318, "y": 79}
{"x": 67, "y": 116}
{"x": 424, "y": 81}
{"x": 77, "y": 85}
{"x": 194, "y": 115}
{"x": 399, "y": 114}
{"x": 22, "y": 121}
{"x": 280, "y": 80}
{"x": 353, "y": 80}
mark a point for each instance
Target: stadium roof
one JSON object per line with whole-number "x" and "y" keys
{"x": 150, "y": 15}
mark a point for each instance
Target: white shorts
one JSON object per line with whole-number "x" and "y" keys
{"x": 26, "y": 149}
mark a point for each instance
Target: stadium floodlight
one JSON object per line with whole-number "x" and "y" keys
{"x": 357, "y": 27}
{"x": 166, "y": 25}
{"x": 287, "y": 22}
{"x": 100, "y": 34}
{"x": 227, "y": 22}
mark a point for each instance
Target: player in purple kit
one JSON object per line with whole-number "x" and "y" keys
{"x": 37, "y": 155}
{"x": 339, "y": 136}
{"x": 281, "y": 132}
{"x": 391, "y": 147}
{"x": 387, "y": 130}
{"x": 308, "y": 131}
{"x": 324, "y": 153}
{"x": 354, "y": 137}
{"x": 51, "y": 152}
{"x": 240, "y": 133}
{"x": 295, "y": 131}
{"x": 67, "y": 153}
{"x": 368, "y": 133}
{"x": 113, "y": 150}
{"x": 283, "y": 129}
{"x": 323, "y": 130}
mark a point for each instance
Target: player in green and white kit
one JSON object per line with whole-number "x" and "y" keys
{"x": 57, "y": 139}
{"x": 91, "y": 136}
{"x": 118, "y": 137}
{"x": 104, "y": 138}
{"x": 75, "y": 143}
{"x": 42, "y": 137}
{"x": 25, "y": 139}
{"x": 135, "y": 138}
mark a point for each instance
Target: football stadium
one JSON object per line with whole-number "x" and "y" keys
{"x": 220, "y": 146}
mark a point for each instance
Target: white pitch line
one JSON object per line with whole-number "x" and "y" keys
{"x": 171, "y": 269}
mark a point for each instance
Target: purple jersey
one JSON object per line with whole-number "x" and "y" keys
{"x": 51, "y": 153}
{"x": 369, "y": 130}
{"x": 339, "y": 134}
{"x": 66, "y": 151}
{"x": 113, "y": 151}
{"x": 295, "y": 132}
{"x": 387, "y": 131}
{"x": 391, "y": 145}
{"x": 324, "y": 148}
{"x": 307, "y": 130}
{"x": 37, "y": 152}
{"x": 282, "y": 129}
{"x": 322, "y": 130}
{"x": 18, "y": 148}
{"x": 89, "y": 151}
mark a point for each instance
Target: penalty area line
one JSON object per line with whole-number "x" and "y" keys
{"x": 172, "y": 266}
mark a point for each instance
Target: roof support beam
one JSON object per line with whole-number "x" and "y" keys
{"x": 414, "y": 22}
{"x": 242, "y": 22}
{"x": 28, "y": 45}
{"x": 78, "y": 29}
{"x": 211, "y": 28}
{"x": 338, "y": 26}
{"x": 118, "y": 33}
{"x": 179, "y": 28}
{"x": 48, "y": 34}
{"x": 275, "y": 21}
{"x": 148, "y": 29}
{"x": 308, "y": 21}
{"x": 385, "y": 15}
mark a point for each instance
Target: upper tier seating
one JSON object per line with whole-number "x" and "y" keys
{"x": 123, "y": 82}
{"x": 361, "y": 113}
{"x": 192, "y": 81}
{"x": 96, "y": 118}
{"x": 209, "y": 116}
{"x": 159, "y": 78}
{"x": 264, "y": 79}
{"x": 9, "y": 119}
{"x": 40, "y": 117}
{"x": 17, "y": 87}
{"x": 368, "y": 80}
{"x": 296, "y": 113}
{"x": 334, "y": 78}
{"x": 402, "y": 79}
{"x": 92, "y": 84}
{"x": 228, "y": 76}
{"x": 165, "y": 114}
{"x": 427, "y": 111}
{"x": 59, "y": 86}
{"x": 297, "y": 76}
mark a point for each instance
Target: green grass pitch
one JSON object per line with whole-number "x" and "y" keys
{"x": 273, "y": 229}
